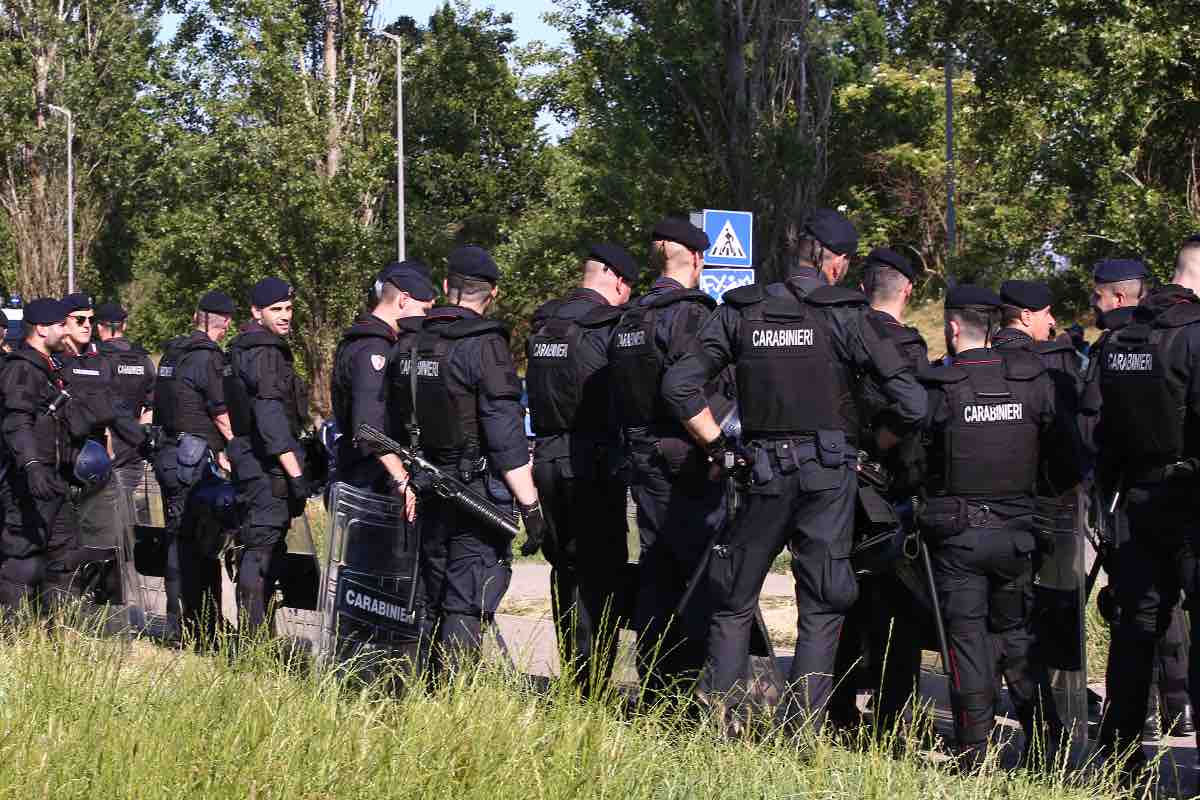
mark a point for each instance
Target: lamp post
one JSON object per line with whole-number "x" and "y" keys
{"x": 399, "y": 142}
{"x": 70, "y": 195}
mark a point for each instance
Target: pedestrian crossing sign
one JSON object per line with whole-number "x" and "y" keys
{"x": 731, "y": 238}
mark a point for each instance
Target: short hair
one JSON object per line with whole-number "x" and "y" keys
{"x": 809, "y": 251}
{"x": 27, "y": 329}
{"x": 388, "y": 293}
{"x": 883, "y": 283}
{"x": 1134, "y": 287}
{"x": 471, "y": 290}
{"x": 975, "y": 321}
{"x": 1009, "y": 315}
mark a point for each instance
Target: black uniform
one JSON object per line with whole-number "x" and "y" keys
{"x": 1149, "y": 438}
{"x": 575, "y": 468}
{"x": 472, "y": 424}
{"x": 399, "y": 380}
{"x": 679, "y": 509}
{"x": 992, "y": 420}
{"x": 359, "y": 394}
{"x": 133, "y": 385}
{"x": 189, "y": 394}
{"x": 796, "y": 347}
{"x": 268, "y": 408}
{"x": 885, "y": 623}
{"x": 40, "y": 540}
{"x": 101, "y": 509}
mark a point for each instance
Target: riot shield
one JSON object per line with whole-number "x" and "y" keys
{"x": 110, "y": 586}
{"x": 298, "y": 580}
{"x": 371, "y": 607}
{"x": 1059, "y": 606}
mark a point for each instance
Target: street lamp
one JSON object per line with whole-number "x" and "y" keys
{"x": 70, "y": 195}
{"x": 399, "y": 143}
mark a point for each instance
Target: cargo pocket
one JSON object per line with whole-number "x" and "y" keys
{"x": 191, "y": 458}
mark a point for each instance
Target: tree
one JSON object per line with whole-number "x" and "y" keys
{"x": 96, "y": 59}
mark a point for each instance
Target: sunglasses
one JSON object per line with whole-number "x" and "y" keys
{"x": 80, "y": 319}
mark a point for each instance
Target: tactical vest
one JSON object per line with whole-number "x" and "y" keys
{"x": 447, "y": 411}
{"x": 1145, "y": 403}
{"x": 132, "y": 373}
{"x": 165, "y": 383}
{"x": 240, "y": 400}
{"x": 399, "y": 382}
{"x": 912, "y": 348}
{"x": 563, "y": 395}
{"x": 789, "y": 378}
{"x": 637, "y": 363}
{"x": 189, "y": 412}
{"x": 51, "y": 440}
{"x": 990, "y": 444}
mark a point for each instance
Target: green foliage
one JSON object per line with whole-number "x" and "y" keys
{"x": 86, "y": 718}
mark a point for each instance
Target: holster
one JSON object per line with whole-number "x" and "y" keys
{"x": 191, "y": 458}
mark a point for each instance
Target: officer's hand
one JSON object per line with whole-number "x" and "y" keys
{"x": 42, "y": 482}
{"x": 537, "y": 529}
{"x": 405, "y": 489}
{"x": 300, "y": 487}
{"x": 223, "y": 462}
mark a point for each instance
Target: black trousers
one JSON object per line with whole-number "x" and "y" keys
{"x": 880, "y": 650}
{"x": 467, "y": 569}
{"x": 1148, "y": 569}
{"x": 809, "y": 508}
{"x": 39, "y": 547}
{"x": 587, "y": 509}
{"x": 677, "y": 515}
{"x": 1170, "y": 676}
{"x": 266, "y": 513}
{"x": 984, "y": 579}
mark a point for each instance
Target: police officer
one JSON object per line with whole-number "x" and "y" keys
{"x": 268, "y": 409}
{"x": 992, "y": 422}
{"x": 885, "y": 615}
{"x": 39, "y": 541}
{"x": 1148, "y": 456}
{"x": 796, "y": 347}
{"x": 134, "y": 387}
{"x": 190, "y": 408}
{"x": 468, "y": 403}
{"x": 410, "y": 318}
{"x": 679, "y": 509}
{"x": 360, "y": 388}
{"x": 576, "y": 459}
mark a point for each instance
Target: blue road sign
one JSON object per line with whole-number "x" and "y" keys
{"x": 715, "y": 282}
{"x": 732, "y": 236}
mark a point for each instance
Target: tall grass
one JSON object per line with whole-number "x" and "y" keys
{"x": 100, "y": 718}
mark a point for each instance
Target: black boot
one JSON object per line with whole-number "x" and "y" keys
{"x": 1177, "y": 717}
{"x": 1151, "y": 729}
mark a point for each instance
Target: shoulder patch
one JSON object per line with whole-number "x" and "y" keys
{"x": 378, "y": 362}
{"x": 744, "y": 295}
{"x": 836, "y": 296}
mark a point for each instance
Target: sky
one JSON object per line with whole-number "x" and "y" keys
{"x": 527, "y": 16}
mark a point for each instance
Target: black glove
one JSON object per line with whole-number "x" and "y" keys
{"x": 300, "y": 487}
{"x": 42, "y": 481}
{"x": 537, "y": 530}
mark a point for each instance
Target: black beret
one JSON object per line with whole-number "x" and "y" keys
{"x": 678, "y": 229}
{"x": 1033, "y": 295}
{"x": 409, "y": 280}
{"x": 270, "y": 291}
{"x": 473, "y": 262}
{"x": 886, "y": 257}
{"x": 967, "y": 296}
{"x": 409, "y": 263}
{"x": 77, "y": 301}
{"x": 832, "y": 230}
{"x": 46, "y": 311}
{"x": 615, "y": 257}
{"x": 216, "y": 302}
{"x": 1112, "y": 270}
{"x": 110, "y": 312}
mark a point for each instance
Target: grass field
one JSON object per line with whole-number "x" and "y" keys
{"x": 88, "y": 718}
